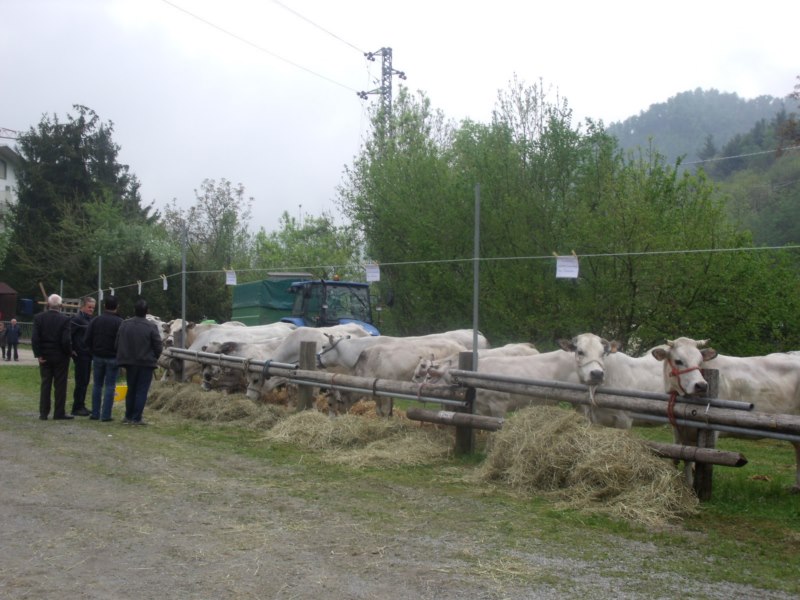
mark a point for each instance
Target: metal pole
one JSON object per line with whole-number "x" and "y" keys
{"x": 476, "y": 276}
{"x": 99, "y": 285}
{"x": 183, "y": 284}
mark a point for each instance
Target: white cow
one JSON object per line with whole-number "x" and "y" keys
{"x": 771, "y": 382}
{"x": 289, "y": 350}
{"x": 623, "y": 372}
{"x": 231, "y": 379}
{"x": 429, "y": 363}
{"x": 580, "y": 360}
{"x": 205, "y": 333}
{"x": 387, "y": 357}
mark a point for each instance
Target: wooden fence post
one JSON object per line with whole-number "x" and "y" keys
{"x": 307, "y": 362}
{"x": 706, "y": 438}
{"x": 465, "y": 435}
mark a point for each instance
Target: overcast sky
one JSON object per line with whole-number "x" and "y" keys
{"x": 274, "y": 106}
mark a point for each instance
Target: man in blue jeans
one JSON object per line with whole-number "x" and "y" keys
{"x": 100, "y": 339}
{"x": 138, "y": 349}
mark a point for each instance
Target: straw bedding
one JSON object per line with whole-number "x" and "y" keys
{"x": 544, "y": 450}
{"x": 556, "y": 452}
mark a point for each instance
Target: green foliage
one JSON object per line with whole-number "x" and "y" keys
{"x": 648, "y": 234}
{"x": 69, "y": 183}
{"x": 316, "y": 245}
{"x": 216, "y": 232}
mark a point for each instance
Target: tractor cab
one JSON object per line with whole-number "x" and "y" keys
{"x": 323, "y": 303}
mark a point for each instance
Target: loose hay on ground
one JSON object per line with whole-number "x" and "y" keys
{"x": 594, "y": 469}
{"x": 358, "y": 441}
{"x": 188, "y": 400}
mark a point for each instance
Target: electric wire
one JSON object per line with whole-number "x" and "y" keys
{"x": 260, "y": 48}
{"x": 459, "y": 260}
{"x": 309, "y": 21}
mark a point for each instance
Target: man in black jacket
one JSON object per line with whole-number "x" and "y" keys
{"x": 138, "y": 348}
{"x": 51, "y": 344}
{"x": 81, "y": 355}
{"x": 101, "y": 337}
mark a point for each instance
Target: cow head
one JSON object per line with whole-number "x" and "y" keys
{"x": 590, "y": 351}
{"x": 683, "y": 358}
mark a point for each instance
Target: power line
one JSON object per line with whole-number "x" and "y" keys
{"x": 469, "y": 260}
{"x": 719, "y": 158}
{"x": 307, "y": 20}
{"x": 259, "y": 48}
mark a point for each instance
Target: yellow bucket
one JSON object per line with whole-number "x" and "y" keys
{"x": 119, "y": 393}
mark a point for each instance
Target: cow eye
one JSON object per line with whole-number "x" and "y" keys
{"x": 679, "y": 362}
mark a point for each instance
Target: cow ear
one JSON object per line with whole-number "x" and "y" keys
{"x": 708, "y": 354}
{"x": 659, "y": 353}
{"x": 614, "y": 346}
{"x": 566, "y": 345}
{"x": 191, "y": 324}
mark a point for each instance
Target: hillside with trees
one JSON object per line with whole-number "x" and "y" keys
{"x": 693, "y": 124}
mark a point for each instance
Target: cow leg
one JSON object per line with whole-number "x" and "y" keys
{"x": 334, "y": 399}
{"x": 796, "y": 488}
{"x": 383, "y": 406}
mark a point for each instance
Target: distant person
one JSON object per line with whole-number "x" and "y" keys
{"x": 51, "y": 344}
{"x": 101, "y": 337}
{"x": 3, "y": 333}
{"x": 12, "y": 340}
{"x": 138, "y": 349}
{"x": 81, "y": 355}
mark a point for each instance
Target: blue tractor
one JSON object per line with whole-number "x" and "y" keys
{"x": 326, "y": 302}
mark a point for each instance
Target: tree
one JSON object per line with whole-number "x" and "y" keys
{"x": 647, "y": 234}
{"x": 217, "y": 239}
{"x": 308, "y": 245}
{"x": 66, "y": 168}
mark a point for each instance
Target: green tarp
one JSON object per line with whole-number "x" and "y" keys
{"x": 261, "y": 302}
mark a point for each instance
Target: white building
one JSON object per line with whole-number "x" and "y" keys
{"x": 9, "y": 164}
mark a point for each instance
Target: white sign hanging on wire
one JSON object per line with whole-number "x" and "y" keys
{"x": 373, "y": 272}
{"x": 567, "y": 267}
{"x": 230, "y": 277}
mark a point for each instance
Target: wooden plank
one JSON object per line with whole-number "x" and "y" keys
{"x": 465, "y": 435}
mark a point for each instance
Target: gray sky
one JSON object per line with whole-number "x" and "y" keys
{"x": 190, "y": 102}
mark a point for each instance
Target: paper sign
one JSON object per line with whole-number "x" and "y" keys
{"x": 373, "y": 273}
{"x": 566, "y": 267}
{"x": 230, "y": 277}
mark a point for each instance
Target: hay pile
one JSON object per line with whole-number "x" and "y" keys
{"x": 363, "y": 442}
{"x": 593, "y": 469}
{"x": 189, "y": 401}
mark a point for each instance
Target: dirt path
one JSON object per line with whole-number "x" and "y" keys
{"x": 95, "y": 511}
{"x": 109, "y": 511}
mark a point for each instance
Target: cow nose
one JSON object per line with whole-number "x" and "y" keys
{"x": 701, "y": 387}
{"x": 596, "y": 376}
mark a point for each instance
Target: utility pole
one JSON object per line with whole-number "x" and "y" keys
{"x": 385, "y": 89}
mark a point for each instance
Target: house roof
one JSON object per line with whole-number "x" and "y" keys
{"x": 9, "y": 154}
{"x": 6, "y": 289}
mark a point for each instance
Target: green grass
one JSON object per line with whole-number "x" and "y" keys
{"x": 748, "y": 533}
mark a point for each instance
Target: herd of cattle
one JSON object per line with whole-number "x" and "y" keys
{"x": 771, "y": 382}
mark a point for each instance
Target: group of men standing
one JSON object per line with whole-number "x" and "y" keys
{"x": 106, "y": 342}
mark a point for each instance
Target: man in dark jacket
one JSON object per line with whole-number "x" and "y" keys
{"x": 81, "y": 355}
{"x": 101, "y": 337}
{"x": 12, "y": 339}
{"x": 138, "y": 349}
{"x": 51, "y": 345}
